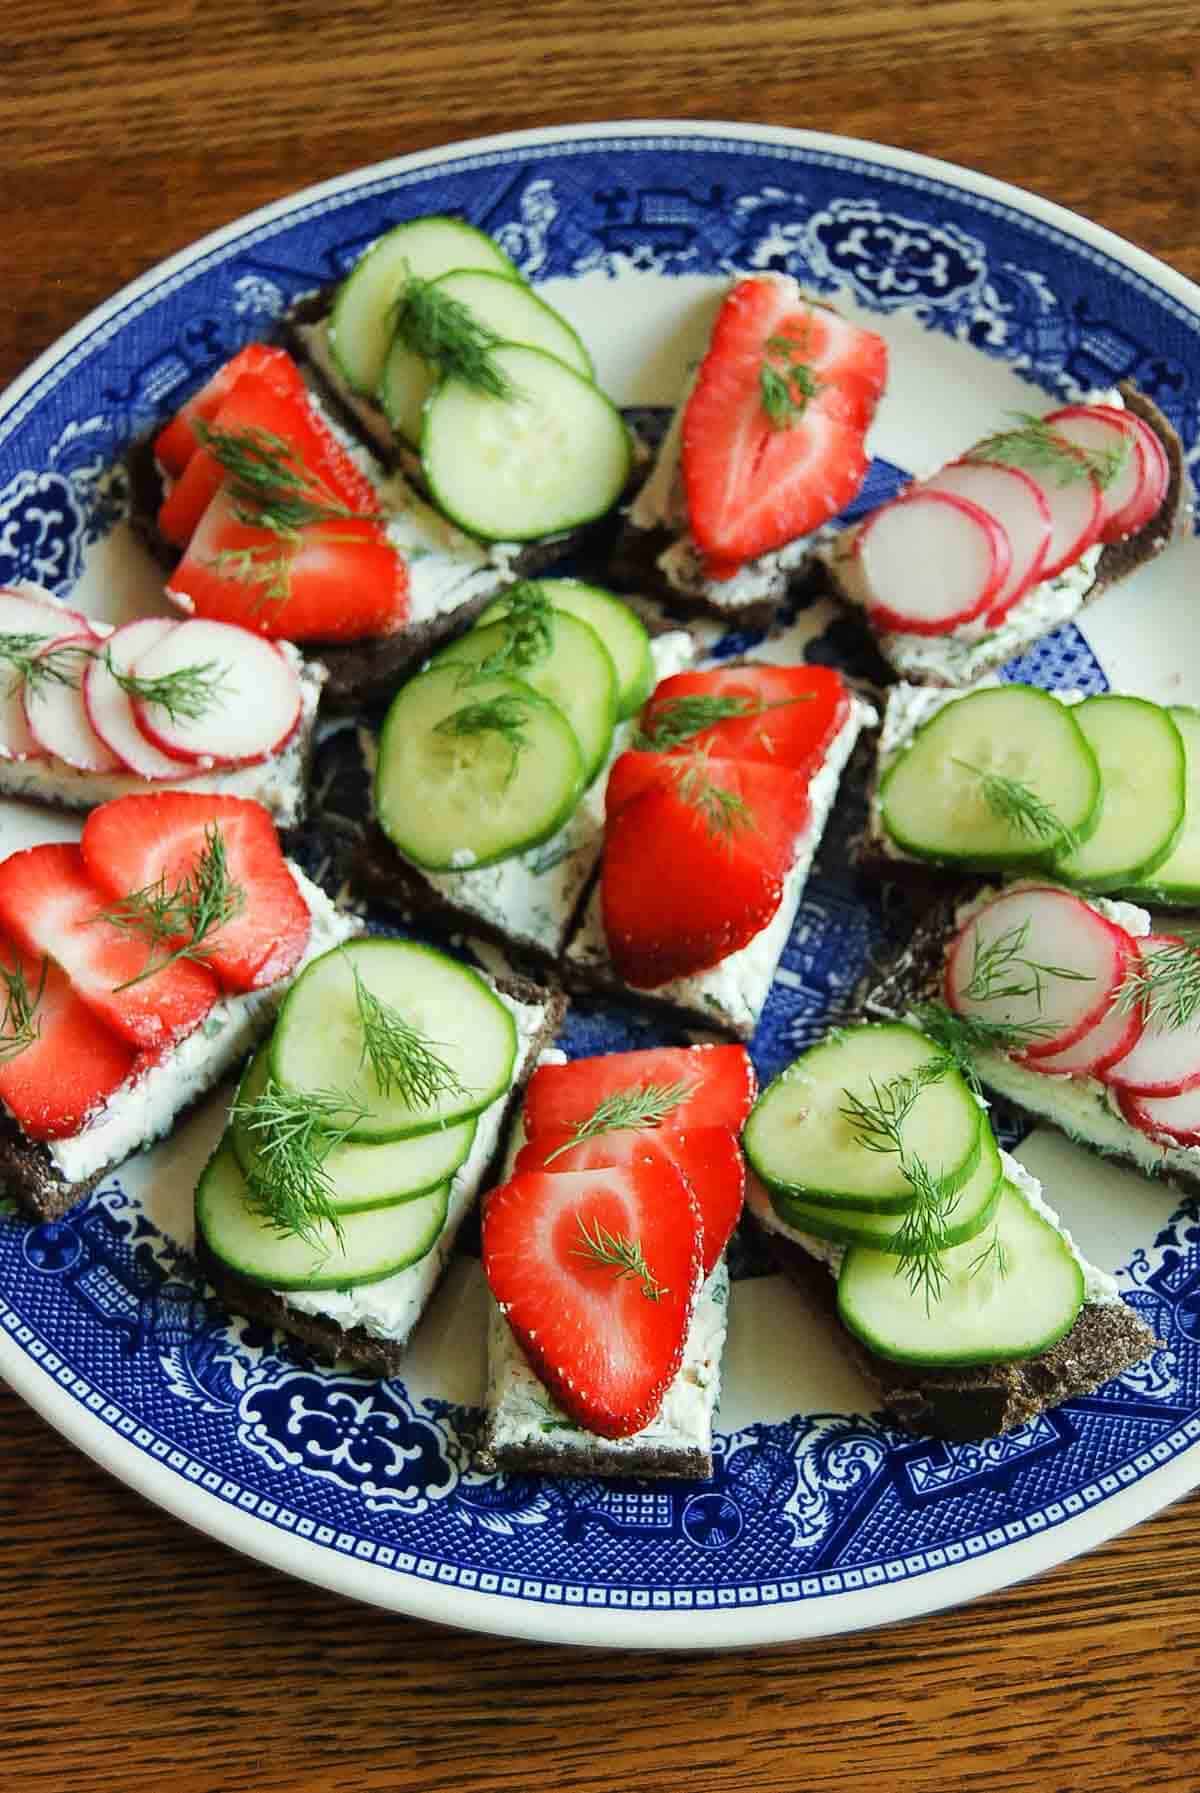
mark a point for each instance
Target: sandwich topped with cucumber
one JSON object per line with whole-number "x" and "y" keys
{"x": 359, "y": 1138}
{"x": 882, "y": 1193}
{"x": 968, "y": 568}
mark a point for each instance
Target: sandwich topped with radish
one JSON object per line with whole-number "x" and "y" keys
{"x": 767, "y": 445}
{"x": 966, "y": 569}
{"x": 89, "y": 712}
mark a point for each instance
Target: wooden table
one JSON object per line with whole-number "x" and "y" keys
{"x": 134, "y": 1648}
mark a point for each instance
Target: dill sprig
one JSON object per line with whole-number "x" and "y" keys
{"x": 677, "y": 719}
{"x": 402, "y": 1058}
{"x": 786, "y": 382}
{"x": 20, "y": 1024}
{"x": 1001, "y": 969}
{"x": 506, "y": 716}
{"x": 1019, "y": 805}
{"x": 186, "y": 694}
{"x": 444, "y": 331}
{"x": 292, "y": 1133}
{"x": 188, "y": 912}
{"x": 961, "y": 1037}
{"x": 1164, "y": 982}
{"x": 877, "y": 1123}
{"x": 993, "y": 1253}
{"x": 1038, "y": 447}
{"x": 34, "y": 663}
{"x": 724, "y": 811}
{"x": 621, "y": 1253}
{"x": 646, "y": 1106}
{"x": 527, "y": 638}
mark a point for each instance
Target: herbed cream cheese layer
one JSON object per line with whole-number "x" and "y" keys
{"x": 390, "y": 1309}
{"x": 736, "y": 990}
{"x": 278, "y": 783}
{"x": 144, "y": 1110}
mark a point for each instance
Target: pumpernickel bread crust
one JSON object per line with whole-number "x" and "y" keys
{"x": 648, "y": 1462}
{"x": 961, "y": 1405}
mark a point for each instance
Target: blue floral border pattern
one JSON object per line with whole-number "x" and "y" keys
{"x": 811, "y": 1505}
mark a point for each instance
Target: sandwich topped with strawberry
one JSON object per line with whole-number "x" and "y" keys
{"x": 766, "y": 447}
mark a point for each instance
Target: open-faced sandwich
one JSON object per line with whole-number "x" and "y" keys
{"x": 604, "y": 1251}
{"x": 883, "y": 1195}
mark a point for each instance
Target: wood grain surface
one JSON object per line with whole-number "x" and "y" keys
{"x": 135, "y": 1649}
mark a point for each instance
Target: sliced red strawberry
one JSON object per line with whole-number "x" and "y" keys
{"x": 136, "y": 841}
{"x": 333, "y": 581}
{"x": 694, "y": 866}
{"x": 50, "y": 905}
{"x": 72, "y": 1063}
{"x": 177, "y": 441}
{"x": 597, "y": 1273}
{"x": 709, "y": 1157}
{"x": 754, "y": 481}
{"x": 790, "y": 714}
{"x": 720, "y": 1079}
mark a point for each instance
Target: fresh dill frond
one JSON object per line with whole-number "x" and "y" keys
{"x": 20, "y": 1023}
{"x": 1037, "y": 447}
{"x": 506, "y": 716}
{"x": 786, "y": 382}
{"x": 291, "y": 1134}
{"x": 403, "y": 1060}
{"x": 646, "y": 1106}
{"x": 1001, "y": 969}
{"x": 1164, "y": 983}
{"x": 1019, "y": 805}
{"x": 444, "y": 331}
{"x": 621, "y": 1253}
{"x": 677, "y": 719}
{"x": 877, "y": 1123}
{"x": 994, "y": 1253}
{"x": 963, "y": 1036}
{"x": 188, "y": 912}
{"x": 39, "y": 660}
{"x": 186, "y": 694}
{"x": 527, "y": 636}
{"x": 724, "y": 812}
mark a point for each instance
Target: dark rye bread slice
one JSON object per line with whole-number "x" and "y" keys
{"x": 29, "y": 1176}
{"x": 965, "y": 1404}
{"x": 324, "y": 1338}
{"x": 634, "y": 568}
{"x": 1116, "y": 562}
{"x": 650, "y": 1462}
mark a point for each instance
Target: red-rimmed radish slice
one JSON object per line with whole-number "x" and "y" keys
{"x": 110, "y": 708}
{"x": 253, "y": 695}
{"x": 1076, "y": 512}
{"x": 1114, "y": 1035}
{"x": 57, "y": 715}
{"x": 1165, "y": 1060}
{"x": 931, "y": 561}
{"x": 1019, "y": 506}
{"x": 1173, "y": 1120}
{"x": 1108, "y": 432}
{"x": 24, "y": 611}
{"x": 1038, "y": 957}
{"x": 1157, "y": 476}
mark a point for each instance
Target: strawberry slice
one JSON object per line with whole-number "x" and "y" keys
{"x": 50, "y": 906}
{"x": 694, "y": 865}
{"x": 709, "y": 1157}
{"x": 136, "y": 842}
{"x": 177, "y": 441}
{"x": 339, "y": 580}
{"x": 72, "y": 1062}
{"x": 721, "y": 1087}
{"x": 787, "y": 715}
{"x": 597, "y": 1273}
{"x": 772, "y": 441}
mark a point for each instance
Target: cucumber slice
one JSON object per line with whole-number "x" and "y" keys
{"x": 1143, "y": 779}
{"x": 551, "y": 456}
{"x": 509, "y": 308}
{"x": 1177, "y": 879}
{"x": 373, "y": 1245}
{"x": 984, "y": 1315}
{"x": 577, "y": 675}
{"x": 363, "y": 1176}
{"x": 932, "y": 803}
{"x": 318, "y": 1043}
{"x": 622, "y": 632}
{"x": 450, "y": 800}
{"x": 973, "y": 1207}
{"x": 799, "y": 1140}
{"x": 360, "y": 324}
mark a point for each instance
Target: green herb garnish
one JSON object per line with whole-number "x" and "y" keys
{"x": 186, "y": 694}
{"x": 786, "y": 382}
{"x": 877, "y": 1123}
{"x": 646, "y": 1106}
{"x": 444, "y": 331}
{"x": 1164, "y": 982}
{"x": 506, "y": 716}
{"x": 189, "y": 912}
{"x": 993, "y": 1254}
{"x": 527, "y": 636}
{"x": 962, "y": 1036}
{"x": 20, "y": 1023}
{"x": 1038, "y": 447}
{"x": 677, "y": 719}
{"x": 34, "y": 663}
{"x": 724, "y": 811}
{"x": 1001, "y": 969}
{"x": 621, "y": 1253}
{"x": 292, "y": 1133}
{"x": 402, "y": 1058}
{"x": 1020, "y": 806}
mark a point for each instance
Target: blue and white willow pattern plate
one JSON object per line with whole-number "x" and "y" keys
{"x": 820, "y": 1517}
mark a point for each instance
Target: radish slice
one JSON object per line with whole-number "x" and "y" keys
{"x": 1165, "y": 1060}
{"x": 1038, "y": 957}
{"x": 27, "y": 610}
{"x": 1173, "y": 1119}
{"x": 1018, "y": 505}
{"x": 1076, "y": 510}
{"x": 1104, "y": 432}
{"x": 931, "y": 561}
{"x": 1114, "y": 1035}
{"x": 110, "y": 709}
{"x": 253, "y": 695}
{"x": 1157, "y": 475}
{"x": 57, "y": 716}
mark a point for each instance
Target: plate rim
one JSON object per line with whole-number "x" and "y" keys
{"x": 724, "y": 1627}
